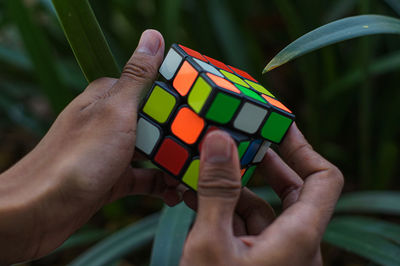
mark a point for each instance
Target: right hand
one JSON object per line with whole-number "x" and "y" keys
{"x": 308, "y": 185}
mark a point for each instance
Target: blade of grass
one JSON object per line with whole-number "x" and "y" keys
{"x": 358, "y": 239}
{"x": 39, "y": 51}
{"x": 14, "y": 58}
{"x": 18, "y": 115}
{"x": 383, "y": 65}
{"x": 387, "y": 230}
{"x": 267, "y": 194}
{"x": 170, "y": 14}
{"x": 171, "y": 234}
{"x": 120, "y": 243}
{"x": 382, "y": 202}
{"x": 228, "y": 33}
{"x": 86, "y": 39}
{"x": 83, "y": 238}
{"x": 394, "y": 4}
{"x": 339, "y": 9}
{"x": 337, "y": 31}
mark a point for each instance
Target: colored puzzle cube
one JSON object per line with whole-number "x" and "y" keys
{"x": 202, "y": 94}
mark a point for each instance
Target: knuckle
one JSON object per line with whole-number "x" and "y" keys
{"x": 219, "y": 182}
{"x": 139, "y": 70}
{"x": 100, "y": 82}
{"x": 336, "y": 175}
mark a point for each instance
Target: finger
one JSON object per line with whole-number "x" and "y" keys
{"x": 190, "y": 199}
{"x": 323, "y": 181}
{"x": 239, "y": 226}
{"x": 299, "y": 154}
{"x": 151, "y": 182}
{"x": 284, "y": 181}
{"x": 308, "y": 217}
{"x": 219, "y": 184}
{"x": 256, "y": 213}
{"x": 141, "y": 70}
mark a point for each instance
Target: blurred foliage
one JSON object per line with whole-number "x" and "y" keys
{"x": 345, "y": 96}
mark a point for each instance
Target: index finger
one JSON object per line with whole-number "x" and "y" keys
{"x": 323, "y": 183}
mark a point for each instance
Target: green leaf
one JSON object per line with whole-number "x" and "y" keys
{"x": 379, "y": 66}
{"x": 364, "y": 241}
{"x": 171, "y": 234}
{"x": 15, "y": 58}
{"x": 83, "y": 238}
{"x": 267, "y": 194}
{"x": 120, "y": 243}
{"x": 86, "y": 39}
{"x": 337, "y": 31}
{"x": 383, "y": 202}
{"x": 228, "y": 33}
{"x": 39, "y": 51}
{"x": 387, "y": 230}
{"x": 395, "y": 5}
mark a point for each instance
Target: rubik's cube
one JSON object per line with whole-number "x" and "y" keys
{"x": 200, "y": 94}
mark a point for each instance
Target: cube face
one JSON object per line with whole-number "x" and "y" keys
{"x": 200, "y": 95}
{"x": 187, "y": 125}
{"x": 160, "y": 103}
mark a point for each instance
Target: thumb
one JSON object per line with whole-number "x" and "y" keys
{"x": 219, "y": 182}
{"x": 141, "y": 70}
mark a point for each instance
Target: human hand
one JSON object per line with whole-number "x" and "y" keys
{"x": 308, "y": 185}
{"x": 82, "y": 163}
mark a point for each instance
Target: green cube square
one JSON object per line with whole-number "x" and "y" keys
{"x": 275, "y": 127}
{"x": 250, "y": 93}
{"x": 222, "y": 108}
{"x": 248, "y": 174}
{"x": 160, "y": 104}
{"x": 199, "y": 94}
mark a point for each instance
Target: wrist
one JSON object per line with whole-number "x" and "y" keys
{"x": 31, "y": 211}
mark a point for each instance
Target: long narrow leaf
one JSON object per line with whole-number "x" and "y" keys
{"x": 387, "y": 230}
{"x": 15, "y": 58}
{"x": 86, "y": 39}
{"x": 38, "y": 50}
{"x": 171, "y": 234}
{"x": 383, "y": 65}
{"x": 383, "y": 202}
{"x": 337, "y": 31}
{"x": 395, "y": 5}
{"x": 360, "y": 240}
{"x": 83, "y": 238}
{"x": 119, "y": 244}
{"x": 267, "y": 194}
{"x": 227, "y": 32}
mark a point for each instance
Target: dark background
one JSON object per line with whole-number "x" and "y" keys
{"x": 345, "y": 97}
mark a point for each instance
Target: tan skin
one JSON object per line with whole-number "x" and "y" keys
{"x": 83, "y": 162}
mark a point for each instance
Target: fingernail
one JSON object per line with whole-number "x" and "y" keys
{"x": 149, "y": 43}
{"x": 217, "y": 147}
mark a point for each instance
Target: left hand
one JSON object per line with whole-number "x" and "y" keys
{"x": 82, "y": 163}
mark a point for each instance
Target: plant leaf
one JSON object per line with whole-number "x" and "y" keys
{"x": 119, "y": 244}
{"x": 358, "y": 235}
{"x": 228, "y": 32}
{"x": 83, "y": 238}
{"x": 395, "y": 5}
{"x": 267, "y": 194}
{"x": 387, "y": 230}
{"x": 383, "y": 202}
{"x": 38, "y": 49}
{"x": 379, "y": 66}
{"x": 337, "y": 31}
{"x": 171, "y": 234}
{"x": 86, "y": 39}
